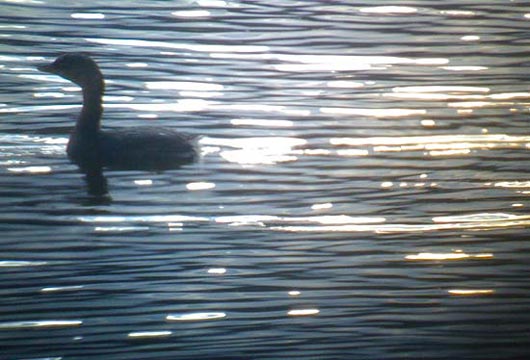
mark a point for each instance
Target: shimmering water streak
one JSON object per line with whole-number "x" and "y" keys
{"x": 91, "y": 16}
{"x": 437, "y": 139}
{"x": 61, "y": 289}
{"x": 194, "y": 105}
{"x": 334, "y": 223}
{"x": 217, "y": 271}
{"x": 304, "y": 62}
{"x": 479, "y": 218}
{"x": 386, "y": 113}
{"x": 303, "y": 312}
{"x": 191, "y": 13}
{"x": 257, "y": 143}
{"x": 21, "y": 263}
{"x": 120, "y": 229}
{"x": 180, "y": 46}
{"x": 464, "y": 68}
{"x": 39, "y": 324}
{"x": 470, "y": 292}
{"x": 324, "y": 220}
{"x": 254, "y": 150}
{"x": 31, "y": 169}
{"x": 511, "y": 184}
{"x": 448, "y": 256}
{"x": 321, "y": 206}
{"x": 144, "y": 182}
{"x": 37, "y": 108}
{"x": 458, "y": 13}
{"x": 216, "y": 3}
{"x": 183, "y": 85}
{"x": 480, "y": 221}
{"x": 140, "y": 218}
{"x": 199, "y": 316}
{"x": 388, "y": 10}
{"x": 437, "y": 145}
{"x": 262, "y": 122}
{"x": 21, "y": 140}
{"x": 464, "y": 93}
{"x": 200, "y": 185}
{"x": 149, "y": 334}
{"x": 440, "y": 89}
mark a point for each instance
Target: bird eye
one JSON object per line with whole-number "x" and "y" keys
{"x": 63, "y": 62}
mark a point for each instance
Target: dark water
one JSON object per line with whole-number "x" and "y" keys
{"x": 362, "y": 193}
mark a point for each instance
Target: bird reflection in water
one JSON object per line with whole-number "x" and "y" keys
{"x": 138, "y": 148}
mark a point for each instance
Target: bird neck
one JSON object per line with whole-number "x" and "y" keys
{"x": 90, "y": 119}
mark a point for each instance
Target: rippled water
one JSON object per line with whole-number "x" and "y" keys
{"x": 362, "y": 192}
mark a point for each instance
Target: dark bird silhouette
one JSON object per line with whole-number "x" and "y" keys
{"x": 137, "y": 148}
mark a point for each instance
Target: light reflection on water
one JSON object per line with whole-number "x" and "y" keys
{"x": 389, "y": 10}
{"x": 467, "y": 292}
{"x": 457, "y": 255}
{"x": 61, "y": 289}
{"x": 21, "y": 263}
{"x": 149, "y": 334}
{"x": 179, "y": 46}
{"x": 364, "y": 175}
{"x": 39, "y": 324}
{"x": 303, "y": 312}
{"x": 330, "y": 223}
{"x": 440, "y": 145}
{"x": 467, "y": 222}
{"x": 196, "y": 316}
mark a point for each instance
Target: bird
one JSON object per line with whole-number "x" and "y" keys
{"x": 133, "y": 148}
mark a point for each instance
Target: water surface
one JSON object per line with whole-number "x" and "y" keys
{"x": 362, "y": 191}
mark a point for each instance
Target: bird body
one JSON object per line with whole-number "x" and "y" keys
{"x": 136, "y": 148}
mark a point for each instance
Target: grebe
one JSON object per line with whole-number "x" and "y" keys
{"x": 138, "y": 148}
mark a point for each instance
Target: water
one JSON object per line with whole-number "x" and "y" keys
{"x": 362, "y": 192}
